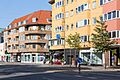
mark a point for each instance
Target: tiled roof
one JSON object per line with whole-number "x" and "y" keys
{"x": 41, "y": 16}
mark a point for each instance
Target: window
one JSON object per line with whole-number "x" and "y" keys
{"x": 71, "y": 26}
{"x": 79, "y": 9}
{"x": 67, "y": 14}
{"x": 85, "y": 22}
{"x": 101, "y": 2}
{"x": 114, "y": 34}
{"x": 34, "y": 37}
{"x": 85, "y": 6}
{"x": 67, "y": 1}
{"x": 67, "y": 27}
{"x": 76, "y": 24}
{"x": 94, "y": 20}
{"x": 71, "y": 12}
{"x": 34, "y": 19}
{"x": 19, "y": 23}
{"x": 117, "y": 34}
{"x": 110, "y": 34}
{"x": 105, "y": 16}
{"x": 21, "y": 29}
{"x": 72, "y": 1}
{"x": 109, "y": 15}
{"x": 34, "y": 27}
{"x": 25, "y": 21}
{"x": 104, "y": 1}
{"x": 114, "y": 14}
{"x": 118, "y": 14}
{"x": 101, "y": 18}
{"x": 34, "y": 46}
{"x": 82, "y": 7}
{"x": 49, "y": 20}
{"x": 94, "y": 4}
{"x": 84, "y": 38}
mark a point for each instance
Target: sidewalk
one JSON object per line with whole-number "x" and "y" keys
{"x": 73, "y": 68}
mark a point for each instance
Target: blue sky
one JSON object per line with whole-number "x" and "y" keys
{"x": 12, "y": 9}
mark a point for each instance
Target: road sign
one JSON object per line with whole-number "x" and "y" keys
{"x": 58, "y": 36}
{"x": 79, "y": 60}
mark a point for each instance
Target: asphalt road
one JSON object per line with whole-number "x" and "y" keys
{"x": 46, "y": 72}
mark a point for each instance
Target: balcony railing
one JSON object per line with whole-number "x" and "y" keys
{"x": 36, "y": 41}
{"x": 37, "y": 32}
{"x": 34, "y": 50}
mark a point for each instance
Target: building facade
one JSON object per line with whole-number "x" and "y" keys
{"x": 70, "y": 16}
{"x": 27, "y": 38}
{"x": 2, "y": 53}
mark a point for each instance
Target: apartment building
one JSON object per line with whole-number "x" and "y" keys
{"x": 2, "y": 53}
{"x": 27, "y": 38}
{"x": 70, "y": 16}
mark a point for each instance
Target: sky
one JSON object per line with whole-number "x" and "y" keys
{"x": 12, "y": 9}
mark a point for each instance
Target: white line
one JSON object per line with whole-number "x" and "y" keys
{"x": 78, "y": 76}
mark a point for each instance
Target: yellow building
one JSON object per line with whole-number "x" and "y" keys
{"x": 70, "y": 16}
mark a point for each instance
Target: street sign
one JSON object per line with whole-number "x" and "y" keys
{"x": 58, "y": 36}
{"x": 79, "y": 60}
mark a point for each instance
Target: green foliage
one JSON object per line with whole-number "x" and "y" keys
{"x": 74, "y": 40}
{"x": 100, "y": 38}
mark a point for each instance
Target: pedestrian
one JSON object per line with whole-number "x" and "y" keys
{"x": 79, "y": 61}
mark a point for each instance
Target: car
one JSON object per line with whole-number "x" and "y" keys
{"x": 57, "y": 62}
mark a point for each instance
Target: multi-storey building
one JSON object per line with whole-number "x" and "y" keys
{"x": 2, "y": 53}
{"x": 27, "y": 38}
{"x": 70, "y": 16}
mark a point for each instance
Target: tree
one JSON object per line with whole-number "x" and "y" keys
{"x": 101, "y": 40}
{"x": 74, "y": 42}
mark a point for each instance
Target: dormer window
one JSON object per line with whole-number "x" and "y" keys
{"x": 34, "y": 19}
{"x": 19, "y": 23}
{"x": 25, "y": 21}
{"x": 49, "y": 20}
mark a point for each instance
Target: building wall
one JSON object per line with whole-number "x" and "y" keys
{"x": 94, "y": 11}
{"x": 2, "y": 53}
{"x": 28, "y": 34}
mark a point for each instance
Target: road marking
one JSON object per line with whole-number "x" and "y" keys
{"x": 52, "y": 71}
{"x": 78, "y": 76}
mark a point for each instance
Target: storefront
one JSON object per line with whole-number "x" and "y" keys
{"x": 32, "y": 58}
{"x": 91, "y": 58}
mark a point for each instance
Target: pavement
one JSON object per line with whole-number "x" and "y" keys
{"x": 72, "y": 67}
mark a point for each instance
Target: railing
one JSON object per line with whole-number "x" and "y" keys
{"x": 37, "y": 32}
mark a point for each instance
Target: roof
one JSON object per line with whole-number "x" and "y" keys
{"x": 41, "y": 16}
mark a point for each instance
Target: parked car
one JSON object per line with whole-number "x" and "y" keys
{"x": 58, "y": 62}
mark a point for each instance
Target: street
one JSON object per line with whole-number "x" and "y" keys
{"x": 52, "y": 72}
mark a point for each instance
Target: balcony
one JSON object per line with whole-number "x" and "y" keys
{"x": 13, "y": 51}
{"x": 37, "y": 32}
{"x": 34, "y": 50}
{"x": 36, "y": 41}
{"x": 10, "y": 43}
{"x": 12, "y": 35}
{"x": 51, "y": 1}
